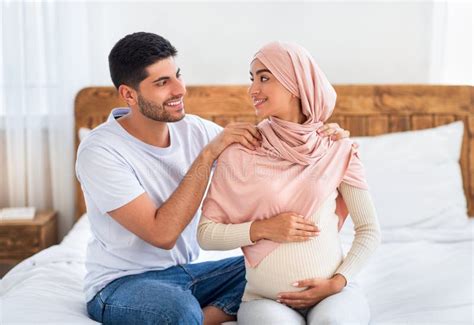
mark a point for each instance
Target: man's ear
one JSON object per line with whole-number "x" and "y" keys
{"x": 128, "y": 94}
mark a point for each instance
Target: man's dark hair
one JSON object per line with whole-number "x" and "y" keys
{"x": 130, "y": 57}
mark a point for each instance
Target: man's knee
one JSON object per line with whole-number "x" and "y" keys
{"x": 151, "y": 302}
{"x": 181, "y": 310}
{"x": 186, "y": 311}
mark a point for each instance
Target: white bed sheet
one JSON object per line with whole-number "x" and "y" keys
{"x": 415, "y": 277}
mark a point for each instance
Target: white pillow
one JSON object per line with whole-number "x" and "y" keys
{"x": 83, "y": 132}
{"x": 415, "y": 178}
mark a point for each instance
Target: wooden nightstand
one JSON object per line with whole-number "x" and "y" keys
{"x": 20, "y": 239}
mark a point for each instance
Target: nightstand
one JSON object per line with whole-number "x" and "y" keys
{"x": 20, "y": 239}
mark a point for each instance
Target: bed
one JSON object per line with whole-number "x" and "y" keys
{"x": 422, "y": 273}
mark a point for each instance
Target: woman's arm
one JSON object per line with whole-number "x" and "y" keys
{"x": 285, "y": 227}
{"x": 367, "y": 230}
{"x": 218, "y": 236}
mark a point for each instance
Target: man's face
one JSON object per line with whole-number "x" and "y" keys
{"x": 160, "y": 95}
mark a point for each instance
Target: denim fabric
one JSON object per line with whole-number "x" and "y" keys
{"x": 172, "y": 296}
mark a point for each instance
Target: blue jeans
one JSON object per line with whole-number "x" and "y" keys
{"x": 172, "y": 296}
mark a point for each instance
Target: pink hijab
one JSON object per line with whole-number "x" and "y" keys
{"x": 237, "y": 194}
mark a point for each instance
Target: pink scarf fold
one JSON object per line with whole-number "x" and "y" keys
{"x": 302, "y": 167}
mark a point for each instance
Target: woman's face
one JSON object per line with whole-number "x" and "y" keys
{"x": 269, "y": 96}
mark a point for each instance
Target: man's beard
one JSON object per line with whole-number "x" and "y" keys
{"x": 156, "y": 112}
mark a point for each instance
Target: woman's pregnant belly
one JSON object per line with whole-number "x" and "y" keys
{"x": 290, "y": 262}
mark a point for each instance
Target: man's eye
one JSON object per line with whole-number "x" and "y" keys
{"x": 161, "y": 83}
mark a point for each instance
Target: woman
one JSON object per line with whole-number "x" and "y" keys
{"x": 296, "y": 272}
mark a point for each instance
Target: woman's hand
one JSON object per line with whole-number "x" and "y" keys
{"x": 283, "y": 228}
{"x": 334, "y": 131}
{"x": 317, "y": 289}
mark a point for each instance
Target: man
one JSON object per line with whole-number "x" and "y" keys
{"x": 144, "y": 173}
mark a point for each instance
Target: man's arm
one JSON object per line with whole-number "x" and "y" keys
{"x": 161, "y": 226}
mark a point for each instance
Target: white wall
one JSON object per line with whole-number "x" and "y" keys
{"x": 354, "y": 42}
{"x": 452, "y": 45}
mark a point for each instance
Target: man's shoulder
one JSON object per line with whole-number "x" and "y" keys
{"x": 236, "y": 154}
{"x": 102, "y": 137}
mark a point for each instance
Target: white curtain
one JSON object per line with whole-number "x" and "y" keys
{"x": 452, "y": 42}
{"x": 43, "y": 65}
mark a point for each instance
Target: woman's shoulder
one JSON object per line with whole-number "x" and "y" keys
{"x": 235, "y": 153}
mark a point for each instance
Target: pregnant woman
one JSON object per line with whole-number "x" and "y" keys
{"x": 296, "y": 272}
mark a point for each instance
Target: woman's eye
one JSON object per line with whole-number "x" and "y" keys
{"x": 178, "y": 75}
{"x": 251, "y": 79}
{"x": 263, "y": 78}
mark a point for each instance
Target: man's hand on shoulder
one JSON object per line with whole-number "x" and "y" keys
{"x": 240, "y": 132}
{"x": 334, "y": 131}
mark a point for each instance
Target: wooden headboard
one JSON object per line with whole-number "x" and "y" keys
{"x": 362, "y": 109}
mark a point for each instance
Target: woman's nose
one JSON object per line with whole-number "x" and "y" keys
{"x": 253, "y": 90}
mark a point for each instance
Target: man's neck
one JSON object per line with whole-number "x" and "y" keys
{"x": 146, "y": 130}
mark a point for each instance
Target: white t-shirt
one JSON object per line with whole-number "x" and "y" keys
{"x": 114, "y": 168}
